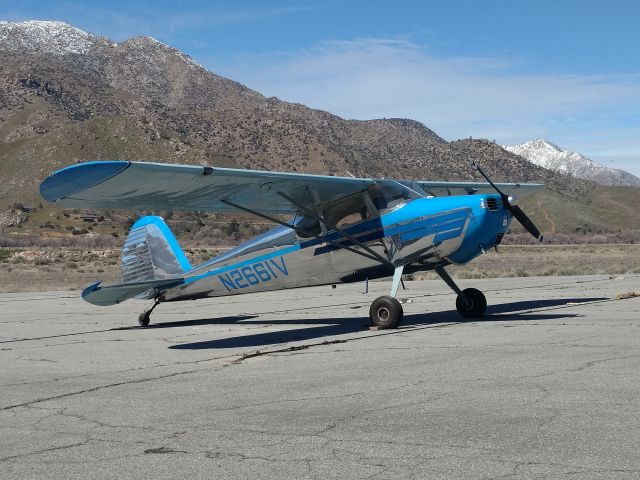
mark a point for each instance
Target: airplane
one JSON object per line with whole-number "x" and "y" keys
{"x": 331, "y": 230}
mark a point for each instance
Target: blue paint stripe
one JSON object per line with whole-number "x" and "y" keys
{"x": 447, "y": 235}
{"x": 277, "y": 253}
{"x": 429, "y": 223}
{"x": 424, "y": 227}
{"x": 416, "y": 234}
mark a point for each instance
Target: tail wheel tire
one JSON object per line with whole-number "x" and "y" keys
{"x": 477, "y": 303}
{"x": 386, "y": 312}
{"x": 144, "y": 319}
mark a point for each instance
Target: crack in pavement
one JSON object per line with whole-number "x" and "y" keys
{"x": 94, "y": 389}
{"x": 39, "y": 452}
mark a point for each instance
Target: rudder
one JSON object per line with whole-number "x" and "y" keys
{"x": 151, "y": 252}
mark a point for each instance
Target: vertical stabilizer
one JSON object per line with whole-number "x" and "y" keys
{"x": 151, "y": 252}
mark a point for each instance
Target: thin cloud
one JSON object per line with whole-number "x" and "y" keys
{"x": 136, "y": 19}
{"x": 216, "y": 16}
{"x": 457, "y": 97}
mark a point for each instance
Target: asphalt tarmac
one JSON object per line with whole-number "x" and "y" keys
{"x": 293, "y": 385}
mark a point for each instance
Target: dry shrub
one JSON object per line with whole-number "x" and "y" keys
{"x": 619, "y": 237}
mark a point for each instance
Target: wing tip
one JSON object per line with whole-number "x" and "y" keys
{"x": 75, "y": 178}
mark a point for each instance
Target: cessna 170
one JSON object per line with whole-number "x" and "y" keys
{"x": 331, "y": 230}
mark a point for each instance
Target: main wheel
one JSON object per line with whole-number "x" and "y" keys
{"x": 144, "y": 319}
{"x": 477, "y": 303}
{"x": 386, "y": 312}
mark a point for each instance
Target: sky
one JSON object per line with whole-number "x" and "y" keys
{"x": 510, "y": 71}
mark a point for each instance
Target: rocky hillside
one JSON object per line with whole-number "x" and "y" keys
{"x": 547, "y": 155}
{"x": 68, "y": 96}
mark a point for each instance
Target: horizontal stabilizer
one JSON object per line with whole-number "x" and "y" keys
{"x": 112, "y": 294}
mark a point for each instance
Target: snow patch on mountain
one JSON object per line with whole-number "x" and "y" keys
{"x": 36, "y": 36}
{"x": 552, "y": 157}
{"x": 60, "y": 38}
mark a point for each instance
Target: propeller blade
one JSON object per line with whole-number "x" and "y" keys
{"x": 517, "y": 212}
{"x": 486, "y": 177}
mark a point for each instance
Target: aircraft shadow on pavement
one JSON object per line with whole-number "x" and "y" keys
{"x": 192, "y": 323}
{"x": 341, "y": 326}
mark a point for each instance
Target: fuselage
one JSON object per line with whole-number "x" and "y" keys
{"x": 419, "y": 234}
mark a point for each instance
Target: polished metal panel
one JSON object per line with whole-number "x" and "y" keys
{"x": 135, "y": 263}
{"x": 146, "y": 255}
{"x": 277, "y": 237}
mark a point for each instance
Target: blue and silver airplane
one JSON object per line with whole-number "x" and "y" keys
{"x": 331, "y": 230}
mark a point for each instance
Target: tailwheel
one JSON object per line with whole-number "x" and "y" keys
{"x": 472, "y": 304}
{"x": 386, "y": 312}
{"x": 144, "y": 319}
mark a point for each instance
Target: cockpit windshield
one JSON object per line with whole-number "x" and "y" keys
{"x": 389, "y": 194}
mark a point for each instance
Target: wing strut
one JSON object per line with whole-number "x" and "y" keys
{"x": 296, "y": 228}
{"x": 330, "y": 226}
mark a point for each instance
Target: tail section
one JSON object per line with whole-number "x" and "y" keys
{"x": 151, "y": 252}
{"x": 152, "y": 261}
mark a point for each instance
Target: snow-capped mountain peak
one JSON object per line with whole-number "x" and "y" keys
{"x": 553, "y": 157}
{"x": 37, "y": 36}
{"x": 60, "y": 38}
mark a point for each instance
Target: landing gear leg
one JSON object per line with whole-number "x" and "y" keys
{"x": 145, "y": 317}
{"x": 471, "y": 303}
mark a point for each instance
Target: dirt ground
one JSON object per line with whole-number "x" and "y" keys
{"x": 73, "y": 269}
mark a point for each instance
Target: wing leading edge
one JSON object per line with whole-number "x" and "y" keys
{"x": 160, "y": 186}
{"x": 122, "y": 184}
{"x": 444, "y": 189}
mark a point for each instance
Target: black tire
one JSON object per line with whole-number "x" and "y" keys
{"x": 478, "y": 303}
{"x": 386, "y": 312}
{"x": 144, "y": 319}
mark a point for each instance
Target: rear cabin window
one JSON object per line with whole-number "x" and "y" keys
{"x": 347, "y": 212}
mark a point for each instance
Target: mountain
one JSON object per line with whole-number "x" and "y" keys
{"x": 68, "y": 96}
{"x": 552, "y": 157}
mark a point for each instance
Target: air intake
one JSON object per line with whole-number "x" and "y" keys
{"x": 492, "y": 204}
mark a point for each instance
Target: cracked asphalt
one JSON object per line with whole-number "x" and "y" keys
{"x": 292, "y": 385}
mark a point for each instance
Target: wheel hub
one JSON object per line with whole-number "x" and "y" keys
{"x": 383, "y": 313}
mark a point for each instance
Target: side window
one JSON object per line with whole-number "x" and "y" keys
{"x": 347, "y": 212}
{"x": 309, "y": 225}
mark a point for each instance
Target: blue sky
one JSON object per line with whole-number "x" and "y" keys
{"x": 567, "y": 71}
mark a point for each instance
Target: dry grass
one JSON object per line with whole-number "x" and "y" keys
{"x": 548, "y": 260}
{"x": 74, "y": 269}
{"x": 66, "y": 269}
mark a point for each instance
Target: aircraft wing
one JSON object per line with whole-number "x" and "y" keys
{"x": 444, "y": 189}
{"x": 160, "y": 186}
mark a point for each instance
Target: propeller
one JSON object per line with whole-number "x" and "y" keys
{"x": 515, "y": 210}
